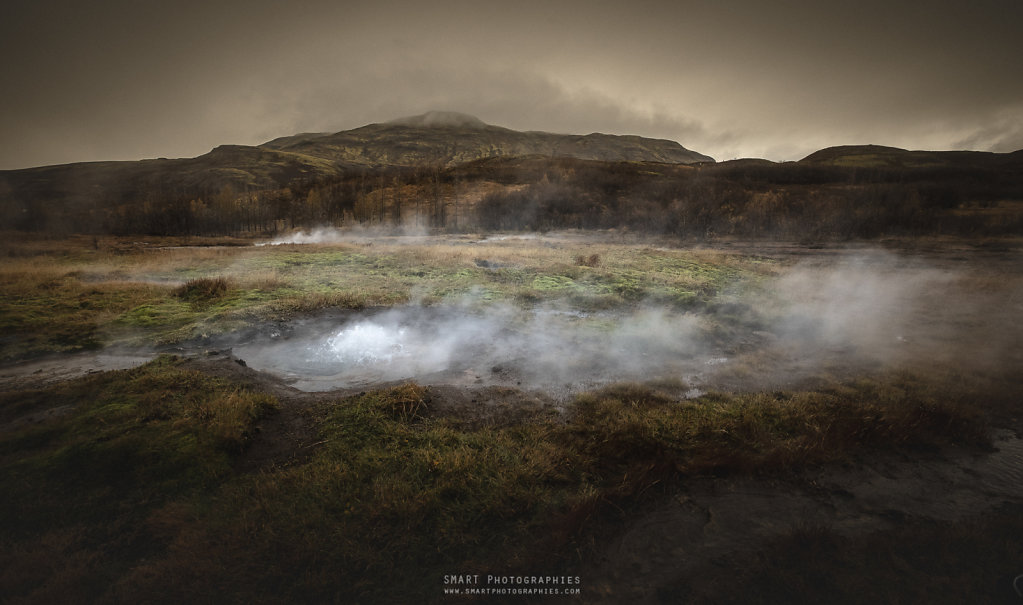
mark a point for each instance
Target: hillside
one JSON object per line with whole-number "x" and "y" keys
{"x": 449, "y": 138}
{"x": 105, "y": 184}
{"x": 453, "y": 172}
{"x": 36, "y": 196}
{"x": 877, "y": 156}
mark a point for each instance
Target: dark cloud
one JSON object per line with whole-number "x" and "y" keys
{"x": 1002, "y": 132}
{"x": 514, "y": 99}
{"x": 123, "y": 80}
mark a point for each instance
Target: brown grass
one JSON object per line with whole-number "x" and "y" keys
{"x": 636, "y": 427}
{"x": 393, "y": 497}
{"x": 407, "y": 402}
{"x": 587, "y": 261}
{"x": 203, "y": 289}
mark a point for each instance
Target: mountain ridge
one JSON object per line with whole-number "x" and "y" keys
{"x": 449, "y": 138}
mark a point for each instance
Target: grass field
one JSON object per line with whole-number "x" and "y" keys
{"x": 192, "y": 478}
{"x": 69, "y": 296}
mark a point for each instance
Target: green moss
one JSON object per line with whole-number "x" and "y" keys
{"x": 134, "y": 438}
{"x": 66, "y": 314}
{"x": 553, "y": 282}
{"x": 168, "y": 313}
{"x": 65, "y": 319}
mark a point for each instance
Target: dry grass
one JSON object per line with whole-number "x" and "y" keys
{"x": 50, "y": 308}
{"x": 229, "y": 418}
{"x": 266, "y": 280}
{"x": 407, "y": 402}
{"x": 630, "y": 425}
{"x": 587, "y": 261}
{"x": 395, "y": 495}
{"x": 203, "y": 289}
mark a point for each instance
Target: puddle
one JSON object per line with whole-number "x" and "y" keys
{"x": 1001, "y": 472}
{"x": 42, "y": 372}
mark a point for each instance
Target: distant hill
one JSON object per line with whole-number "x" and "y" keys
{"x": 877, "y": 156}
{"x": 449, "y": 138}
{"x": 436, "y": 138}
{"x": 111, "y": 183}
{"x": 452, "y": 171}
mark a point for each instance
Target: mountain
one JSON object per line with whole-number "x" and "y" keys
{"x": 434, "y": 138}
{"x": 452, "y": 170}
{"x": 450, "y": 138}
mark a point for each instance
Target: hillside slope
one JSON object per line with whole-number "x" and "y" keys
{"x": 449, "y": 138}
{"x": 877, "y": 156}
{"x": 443, "y": 139}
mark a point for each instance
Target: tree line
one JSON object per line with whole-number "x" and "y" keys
{"x": 745, "y": 198}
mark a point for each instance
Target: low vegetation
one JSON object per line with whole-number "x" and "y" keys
{"x": 203, "y": 290}
{"x": 179, "y": 482}
{"x": 80, "y": 490}
{"x": 85, "y": 294}
{"x": 836, "y": 194}
{"x": 394, "y": 494}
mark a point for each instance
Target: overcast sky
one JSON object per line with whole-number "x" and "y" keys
{"x": 138, "y": 79}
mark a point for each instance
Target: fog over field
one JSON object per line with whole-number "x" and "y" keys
{"x": 854, "y": 310}
{"x": 596, "y": 402}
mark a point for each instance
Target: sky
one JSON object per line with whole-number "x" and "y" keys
{"x": 125, "y": 80}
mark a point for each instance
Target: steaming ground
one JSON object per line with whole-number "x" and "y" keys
{"x": 411, "y": 233}
{"x": 818, "y": 319}
{"x": 825, "y": 313}
{"x": 857, "y": 312}
{"x": 556, "y": 350}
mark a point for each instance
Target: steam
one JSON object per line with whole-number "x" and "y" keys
{"x": 552, "y": 349}
{"x": 869, "y": 311}
{"x": 865, "y": 305}
{"x": 856, "y": 312}
{"x": 367, "y": 343}
{"x": 323, "y": 235}
{"x": 411, "y": 231}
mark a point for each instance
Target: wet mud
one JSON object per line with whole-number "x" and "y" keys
{"x": 669, "y": 548}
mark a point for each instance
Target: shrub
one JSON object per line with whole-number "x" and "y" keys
{"x": 587, "y": 261}
{"x": 202, "y": 289}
